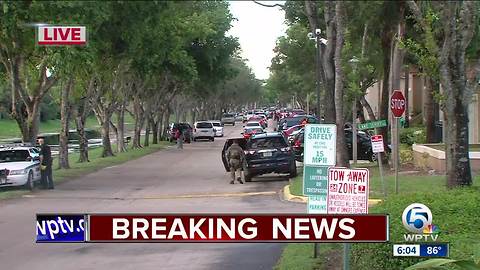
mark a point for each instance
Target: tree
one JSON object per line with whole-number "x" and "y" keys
{"x": 459, "y": 26}
{"x": 342, "y": 155}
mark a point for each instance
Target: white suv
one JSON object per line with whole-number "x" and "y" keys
{"x": 20, "y": 164}
{"x": 203, "y": 130}
{"x": 218, "y": 127}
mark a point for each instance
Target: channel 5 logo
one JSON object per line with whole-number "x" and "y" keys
{"x": 417, "y": 218}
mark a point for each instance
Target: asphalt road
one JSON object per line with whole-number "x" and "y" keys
{"x": 191, "y": 180}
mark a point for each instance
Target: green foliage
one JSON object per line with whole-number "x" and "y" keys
{"x": 406, "y": 156}
{"x": 454, "y": 212}
{"x": 413, "y": 135}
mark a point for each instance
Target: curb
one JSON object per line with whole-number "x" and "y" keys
{"x": 287, "y": 196}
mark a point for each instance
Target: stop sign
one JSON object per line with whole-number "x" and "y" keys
{"x": 397, "y": 103}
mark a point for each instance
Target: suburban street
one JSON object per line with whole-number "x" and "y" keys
{"x": 192, "y": 180}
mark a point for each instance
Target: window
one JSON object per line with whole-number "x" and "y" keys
{"x": 14, "y": 155}
{"x": 216, "y": 124}
{"x": 253, "y": 124}
{"x": 204, "y": 125}
{"x": 268, "y": 143}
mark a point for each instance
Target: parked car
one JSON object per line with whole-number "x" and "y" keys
{"x": 228, "y": 118}
{"x": 218, "y": 127}
{"x": 289, "y": 122}
{"x": 20, "y": 165}
{"x": 248, "y": 132}
{"x": 290, "y": 130}
{"x": 203, "y": 130}
{"x": 239, "y": 117}
{"x": 252, "y": 124}
{"x": 264, "y": 153}
{"x": 364, "y": 146}
{"x": 184, "y": 127}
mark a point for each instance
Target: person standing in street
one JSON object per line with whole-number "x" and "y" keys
{"x": 45, "y": 164}
{"x": 236, "y": 161}
{"x": 179, "y": 136}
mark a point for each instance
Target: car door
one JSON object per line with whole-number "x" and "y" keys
{"x": 241, "y": 141}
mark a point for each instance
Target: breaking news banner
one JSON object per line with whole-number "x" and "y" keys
{"x": 61, "y": 228}
{"x": 213, "y": 228}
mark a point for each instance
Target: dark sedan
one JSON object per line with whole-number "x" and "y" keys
{"x": 364, "y": 146}
{"x": 264, "y": 153}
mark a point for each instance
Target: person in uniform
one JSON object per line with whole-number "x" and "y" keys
{"x": 45, "y": 164}
{"x": 236, "y": 161}
{"x": 179, "y": 136}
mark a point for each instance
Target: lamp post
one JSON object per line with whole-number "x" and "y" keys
{"x": 318, "y": 62}
{"x": 354, "y": 62}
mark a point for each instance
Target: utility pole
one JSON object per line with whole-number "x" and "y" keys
{"x": 354, "y": 62}
{"x": 318, "y": 70}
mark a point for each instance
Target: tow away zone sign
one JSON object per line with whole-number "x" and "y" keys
{"x": 348, "y": 191}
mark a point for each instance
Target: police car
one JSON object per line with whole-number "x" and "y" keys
{"x": 19, "y": 165}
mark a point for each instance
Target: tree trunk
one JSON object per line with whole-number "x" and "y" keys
{"x": 65, "y": 112}
{"x": 407, "y": 92}
{"x": 80, "y": 118}
{"x": 139, "y": 118}
{"x": 154, "y": 127}
{"x": 26, "y": 106}
{"x": 328, "y": 63}
{"x": 146, "y": 141}
{"x": 342, "y": 154}
{"x": 107, "y": 146}
{"x": 366, "y": 105}
{"x": 387, "y": 35}
{"x": 121, "y": 129}
{"x": 429, "y": 112}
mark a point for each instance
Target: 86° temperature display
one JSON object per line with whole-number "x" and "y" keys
{"x": 421, "y": 250}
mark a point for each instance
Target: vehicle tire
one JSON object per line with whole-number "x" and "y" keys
{"x": 212, "y": 139}
{"x": 233, "y": 124}
{"x": 373, "y": 157}
{"x": 30, "y": 185}
{"x": 293, "y": 170}
{"x": 194, "y": 139}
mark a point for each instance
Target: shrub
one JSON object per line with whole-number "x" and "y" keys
{"x": 413, "y": 135}
{"x": 406, "y": 156}
{"x": 455, "y": 212}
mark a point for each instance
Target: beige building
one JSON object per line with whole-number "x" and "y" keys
{"x": 416, "y": 98}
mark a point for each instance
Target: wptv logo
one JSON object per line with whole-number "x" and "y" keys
{"x": 417, "y": 218}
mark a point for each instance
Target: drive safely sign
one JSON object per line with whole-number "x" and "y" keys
{"x": 348, "y": 191}
{"x": 320, "y": 142}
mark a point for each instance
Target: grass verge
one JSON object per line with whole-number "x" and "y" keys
{"x": 96, "y": 163}
{"x": 454, "y": 212}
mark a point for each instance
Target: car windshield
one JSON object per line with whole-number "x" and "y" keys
{"x": 267, "y": 143}
{"x": 13, "y": 155}
{"x": 252, "y": 124}
{"x": 216, "y": 124}
{"x": 204, "y": 125}
{"x": 228, "y": 115}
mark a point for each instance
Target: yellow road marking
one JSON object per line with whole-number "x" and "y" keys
{"x": 186, "y": 196}
{"x": 162, "y": 197}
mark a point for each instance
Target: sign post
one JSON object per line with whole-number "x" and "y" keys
{"x": 319, "y": 153}
{"x": 397, "y": 106}
{"x": 347, "y": 194}
{"x": 378, "y": 148}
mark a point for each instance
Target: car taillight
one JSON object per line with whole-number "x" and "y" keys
{"x": 297, "y": 144}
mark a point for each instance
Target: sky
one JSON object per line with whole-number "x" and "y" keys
{"x": 257, "y": 28}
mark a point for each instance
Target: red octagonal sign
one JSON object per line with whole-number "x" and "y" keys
{"x": 397, "y": 103}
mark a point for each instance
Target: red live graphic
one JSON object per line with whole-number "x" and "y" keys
{"x": 238, "y": 228}
{"x": 61, "y": 35}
